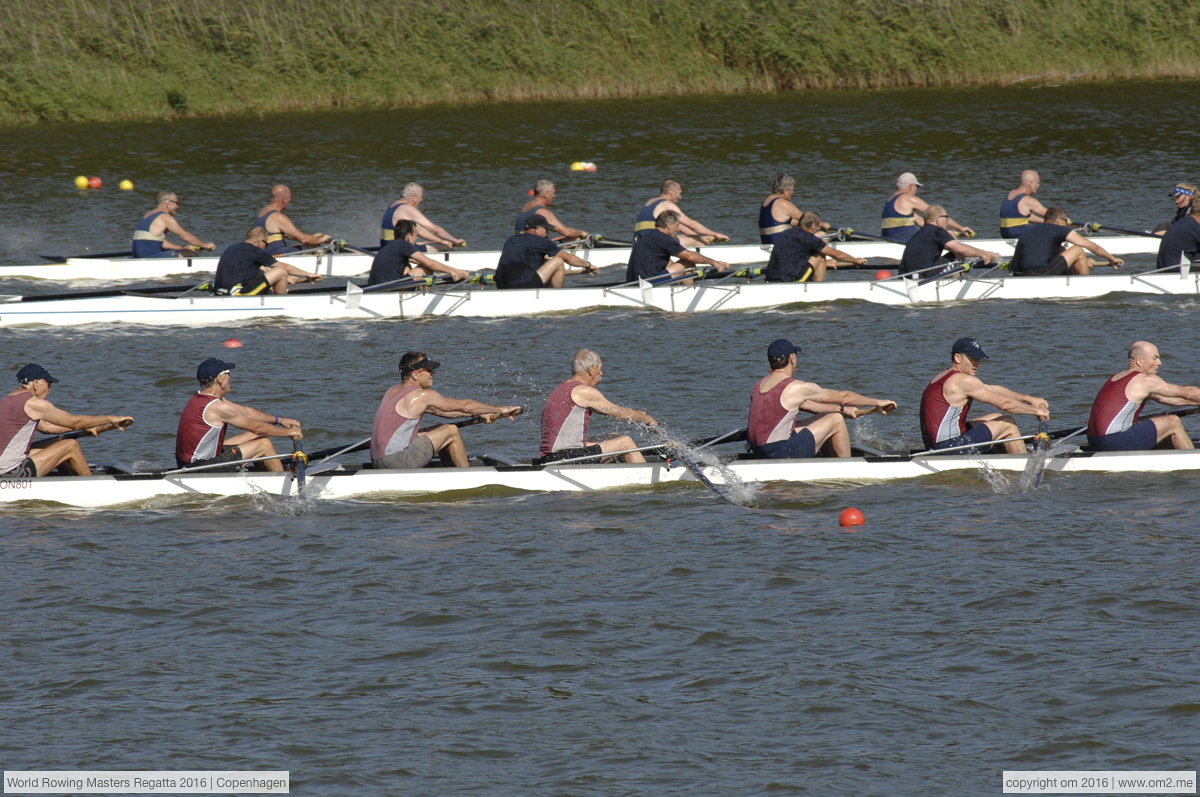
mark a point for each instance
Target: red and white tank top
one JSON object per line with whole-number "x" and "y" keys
{"x": 392, "y": 432}
{"x": 198, "y": 439}
{"x": 564, "y": 423}
{"x": 769, "y": 422}
{"x": 1112, "y": 411}
{"x": 941, "y": 421}
{"x": 16, "y": 430}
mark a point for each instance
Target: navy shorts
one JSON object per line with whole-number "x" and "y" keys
{"x": 1055, "y": 268}
{"x": 1142, "y": 436}
{"x": 801, "y": 445}
{"x": 979, "y": 433}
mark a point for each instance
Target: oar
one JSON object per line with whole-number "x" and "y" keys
{"x": 1095, "y": 227}
{"x": 104, "y": 427}
{"x": 299, "y": 461}
{"x": 1041, "y": 443}
{"x": 846, "y": 233}
{"x": 113, "y": 292}
{"x": 102, "y": 256}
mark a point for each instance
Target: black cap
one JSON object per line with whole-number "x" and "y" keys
{"x": 421, "y": 365}
{"x": 969, "y": 347}
{"x": 536, "y": 221}
{"x": 34, "y": 371}
{"x": 782, "y": 347}
{"x": 211, "y": 368}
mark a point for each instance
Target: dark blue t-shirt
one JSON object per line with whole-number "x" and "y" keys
{"x": 523, "y": 254}
{"x": 652, "y": 251}
{"x": 789, "y": 258}
{"x": 239, "y": 263}
{"x": 924, "y": 248}
{"x": 1181, "y": 239}
{"x": 391, "y": 262}
{"x": 1038, "y": 245}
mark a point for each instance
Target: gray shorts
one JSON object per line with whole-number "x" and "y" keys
{"x": 417, "y": 455}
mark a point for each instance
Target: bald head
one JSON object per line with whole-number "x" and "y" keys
{"x": 281, "y": 192}
{"x": 1142, "y": 349}
{"x": 1029, "y": 177}
{"x": 933, "y": 213}
{"x": 670, "y": 187}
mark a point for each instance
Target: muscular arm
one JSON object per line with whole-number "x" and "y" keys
{"x": 999, "y": 397}
{"x": 695, "y": 229}
{"x": 435, "y": 403}
{"x": 1094, "y": 248}
{"x": 593, "y": 399}
{"x": 51, "y": 419}
{"x": 421, "y": 259}
{"x": 1166, "y": 393}
{"x": 175, "y": 227}
{"x": 793, "y": 213}
{"x": 844, "y": 401}
{"x": 252, "y": 420}
{"x": 837, "y": 254}
{"x": 1037, "y": 211}
{"x": 567, "y": 233}
{"x": 966, "y": 250}
{"x": 688, "y": 256}
{"x": 291, "y": 231}
{"x": 426, "y": 228}
{"x": 954, "y": 225}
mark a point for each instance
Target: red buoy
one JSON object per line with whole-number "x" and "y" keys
{"x": 233, "y": 343}
{"x": 94, "y": 182}
{"x": 882, "y": 274}
{"x": 851, "y": 517}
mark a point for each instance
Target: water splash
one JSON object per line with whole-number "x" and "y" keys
{"x": 729, "y": 485}
{"x": 276, "y": 505}
{"x": 1004, "y": 484}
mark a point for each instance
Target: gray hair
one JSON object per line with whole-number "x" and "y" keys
{"x": 256, "y": 234}
{"x": 164, "y": 197}
{"x": 784, "y": 182}
{"x": 665, "y": 219}
{"x": 584, "y": 361}
{"x": 411, "y": 190}
{"x": 542, "y": 187}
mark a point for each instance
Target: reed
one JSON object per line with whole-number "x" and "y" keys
{"x": 113, "y": 59}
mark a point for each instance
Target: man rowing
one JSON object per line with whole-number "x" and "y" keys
{"x": 280, "y": 228}
{"x": 777, "y": 213}
{"x": 397, "y": 442}
{"x": 1181, "y": 242}
{"x": 652, "y": 252}
{"x": 246, "y": 269}
{"x": 773, "y": 431}
{"x": 1041, "y": 250}
{"x": 544, "y": 193}
{"x": 27, "y": 410}
{"x": 569, "y": 409}
{"x": 1115, "y": 423}
{"x": 432, "y": 238}
{"x": 947, "y": 400}
{"x": 201, "y": 439}
{"x": 1019, "y": 208}
{"x": 150, "y": 237}
{"x": 531, "y": 260}
{"x": 799, "y": 255}
{"x": 900, "y": 213}
{"x": 694, "y": 233}
{"x": 1184, "y": 196}
{"x": 402, "y": 257}
{"x": 924, "y": 250}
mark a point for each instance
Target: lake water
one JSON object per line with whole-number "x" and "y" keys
{"x": 647, "y": 642}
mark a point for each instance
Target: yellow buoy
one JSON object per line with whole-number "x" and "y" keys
{"x": 577, "y": 166}
{"x": 81, "y": 182}
{"x": 126, "y": 185}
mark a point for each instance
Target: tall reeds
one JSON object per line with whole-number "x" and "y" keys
{"x": 107, "y": 59}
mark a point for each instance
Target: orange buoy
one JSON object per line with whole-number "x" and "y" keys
{"x": 882, "y": 274}
{"x": 233, "y": 343}
{"x": 94, "y": 182}
{"x": 851, "y": 517}
{"x": 530, "y": 192}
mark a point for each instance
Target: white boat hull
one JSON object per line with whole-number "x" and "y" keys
{"x": 107, "y": 491}
{"x": 197, "y": 309}
{"x": 351, "y": 264}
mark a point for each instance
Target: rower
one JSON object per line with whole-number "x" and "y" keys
{"x": 900, "y": 219}
{"x": 773, "y": 431}
{"x": 1184, "y": 196}
{"x": 402, "y": 257}
{"x": 246, "y": 269}
{"x": 1019, "y": 208}
{"x": 397, "y": 442}
{"x": 799, "y": 255}
{"x": 694, "y": 233}
{"x": 652, "y": 252}
{"x": 569, "y": 409}
{"x": 947, "y": 401}
{"x": 543, "y": 194}
{"x": 1114, "y": 423}
{"x": 1181, "y": 242}
{"x": 432, "y": 237}
{"x": 1041, "y": 250}
{"x": 924, "y": 249}
{"x": 150, "y": 237}
{"x": 27, "y": 410}
{"x": 200, "y": 438}
{"x": 777, "y": 212}
{"x": 280, "y": 228}
{"x": 531, "y": 260}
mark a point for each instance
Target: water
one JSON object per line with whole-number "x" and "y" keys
{"x": 644, "y": 642}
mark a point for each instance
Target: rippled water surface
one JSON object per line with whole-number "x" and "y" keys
{"x": 630, "y": 643}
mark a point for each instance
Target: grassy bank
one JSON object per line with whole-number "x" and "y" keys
{"x": 112, "y": 59}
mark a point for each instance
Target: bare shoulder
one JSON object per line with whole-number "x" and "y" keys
{"x": 586, "y": 394}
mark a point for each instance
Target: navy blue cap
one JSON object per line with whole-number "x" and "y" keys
{"x": 536, "y": 221}
{"x": 34, "y": 371}
{"x": 969, "y": 347}
{"x": 782, "y": 347}
{"x": 425, "y": 364}
{"x": 211, "y": 368}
